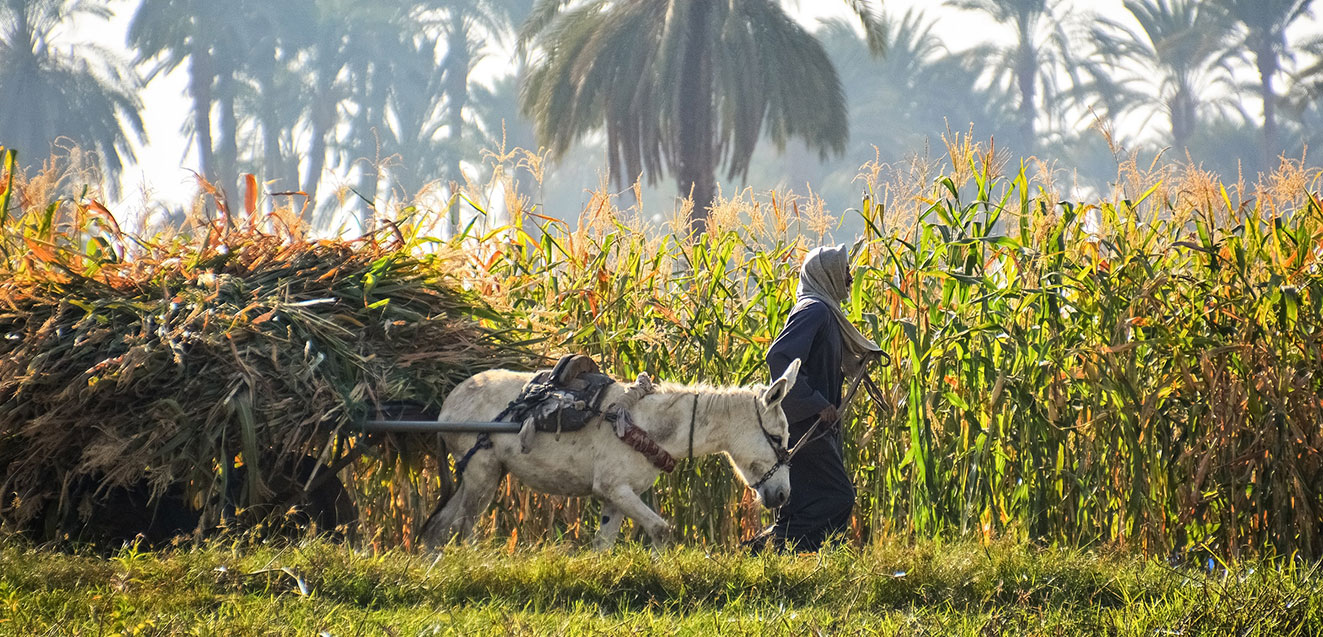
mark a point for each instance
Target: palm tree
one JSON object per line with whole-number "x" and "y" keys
{"x": 1036, "y": 63}
{"x": 459, "y": 22}
{"x": 498, "y": 116}
{"x": 335, "y": 32}
{"x": 1304, "y": 99}
{"x": 682, "y": 86}
{"x": 898, "y": 105}
{"x": 917, "y": 91}
{"x": 414, "y": 130}
{"x": 346, "y": 82}
{"x": 372, "y": 55}
{"x": 390, "y": 89}
{"x": 1177, "y": 59}
{"x": 80, "y": 93}
{"x": 243, "y": 59}
{"x": 1264, "y": 24}
{"x": 317, "y": 72}
{"x": 212, "y": 37}
{"x": 1302, "y": 102}
{"x": 271, "y": 90}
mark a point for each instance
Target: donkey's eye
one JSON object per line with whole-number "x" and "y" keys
{"x": 777, "y": 440}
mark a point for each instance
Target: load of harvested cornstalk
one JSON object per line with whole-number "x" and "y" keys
{"x": 223, "y": 371}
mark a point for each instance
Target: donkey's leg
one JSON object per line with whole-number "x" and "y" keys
{"x": 484, "y": 489}
{"x": 610, "y": 528}
{"x": 437, "y": 531}
{"x": 475, "y": 493}
{"x": 626, "y": 501}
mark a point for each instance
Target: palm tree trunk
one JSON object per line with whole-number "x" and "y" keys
{"x": 316, "y": 163}
{"x": 1182, "y": 118}
{"x": 228, "y": 155}
{"x": 1028, "y": 111}
{"x": 367, "y": 216}
{"x": 457, "y": 92}
{"x": 38, "y": 133}
{"x": 697, "y": 162}
{"x": 323, "y": 117}
{"x": 1267, "y": 62}
{"x": 1026, "y": 76}
{"x": 200, "y": 78}
{"x": 290, "y": 169}
{"x": 272, "y": 162}
{"x": 370, "y": 110}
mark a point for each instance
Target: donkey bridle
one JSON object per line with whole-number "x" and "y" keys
{"x": 783, "y": 455}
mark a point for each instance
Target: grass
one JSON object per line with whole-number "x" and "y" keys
{"x": 240, "y": 587}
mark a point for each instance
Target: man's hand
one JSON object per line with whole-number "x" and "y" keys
{"x": 828, "y": 415}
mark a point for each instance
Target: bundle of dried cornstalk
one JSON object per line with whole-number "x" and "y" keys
{"x": 172, "y": 368}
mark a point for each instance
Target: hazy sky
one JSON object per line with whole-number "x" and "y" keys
{"x": 160, "y": 170}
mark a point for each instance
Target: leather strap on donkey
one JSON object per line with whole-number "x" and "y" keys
{"x": 629, "y": 433}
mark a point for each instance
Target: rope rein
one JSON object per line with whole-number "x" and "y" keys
{"x": 813, "y": 435}
{"x": 484, "y": 442}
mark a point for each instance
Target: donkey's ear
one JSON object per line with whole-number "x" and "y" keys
{"x": 791, "y": 374}
{"x": 777, "y": 392}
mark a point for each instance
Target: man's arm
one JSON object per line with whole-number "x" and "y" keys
{"x": 795, "y": 341}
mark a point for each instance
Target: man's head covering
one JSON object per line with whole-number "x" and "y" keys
{"x": 825, "y": 277}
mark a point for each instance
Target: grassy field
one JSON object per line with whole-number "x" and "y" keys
{"x": 238, "y": 587}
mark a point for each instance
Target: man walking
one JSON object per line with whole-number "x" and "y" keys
{"x": 818, "y": 333}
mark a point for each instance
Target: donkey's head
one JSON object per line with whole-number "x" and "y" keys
{"x": 757, "y": 447}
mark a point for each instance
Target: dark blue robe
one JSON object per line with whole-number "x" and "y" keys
{"x": 821, "y": 495}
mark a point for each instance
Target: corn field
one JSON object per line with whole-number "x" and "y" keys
{"x": 1141, "y": 370}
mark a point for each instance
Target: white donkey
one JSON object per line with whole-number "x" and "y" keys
{"x": 745, "y": 423}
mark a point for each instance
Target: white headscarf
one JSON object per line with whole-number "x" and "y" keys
{"x": 824, "y": 277}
